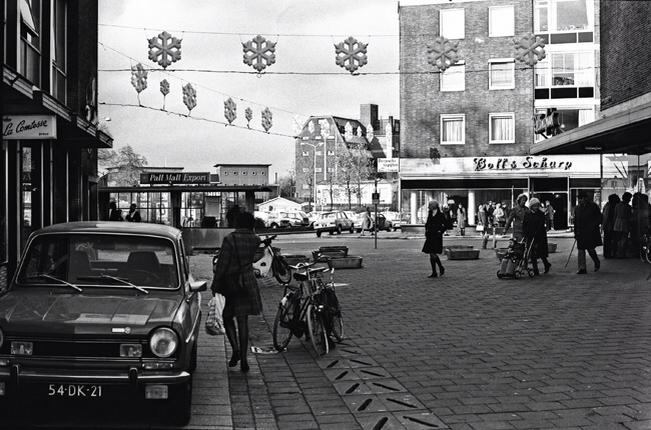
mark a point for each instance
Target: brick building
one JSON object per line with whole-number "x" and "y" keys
{"x": 467, "y": 132}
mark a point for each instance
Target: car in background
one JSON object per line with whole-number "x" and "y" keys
{"x": 379, "y": 223}
{"x": 101, "y": 311}
{"x": 394, "y": 218}
{"x": 287, "y": 219}
{"x": 333, "y": 222}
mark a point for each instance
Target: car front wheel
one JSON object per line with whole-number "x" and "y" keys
{"x": 318, "y": 233}
{"x": 181, "y": 406}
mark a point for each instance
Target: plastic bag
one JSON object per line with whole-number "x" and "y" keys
{"x": 214, "y": 321}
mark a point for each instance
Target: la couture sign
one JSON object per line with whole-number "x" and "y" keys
{"x": 175, "y": 178}
{"x": 29, "y": 127}
{"x": 518, "y": 163}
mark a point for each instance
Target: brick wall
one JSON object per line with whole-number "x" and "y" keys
{"x": 421, "y": 102}
{"x": 626, "y": 55}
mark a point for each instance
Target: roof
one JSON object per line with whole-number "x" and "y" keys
{"x": 241, "y": 164}
{"x": 113, "y": 227}
{"x": 275, "y": 199}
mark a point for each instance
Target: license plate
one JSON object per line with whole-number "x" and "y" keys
{"x": 74, "y": 390}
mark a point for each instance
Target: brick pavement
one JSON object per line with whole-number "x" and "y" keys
{"x": 465, "y": 351}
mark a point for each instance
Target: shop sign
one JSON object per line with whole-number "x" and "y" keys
{"x": 175, "y": 178}
{"x": 26, "y": 127}
{"x": 388, "y": 165}
{"x": 515, "y": 163}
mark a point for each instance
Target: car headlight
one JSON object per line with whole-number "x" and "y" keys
{"x": 163, "y": 342}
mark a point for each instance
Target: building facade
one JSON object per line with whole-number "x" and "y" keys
{"x": 467, "y": 132}
{"x": 49, "y": 115}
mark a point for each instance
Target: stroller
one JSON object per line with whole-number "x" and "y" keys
{"x": 516, "y": 260}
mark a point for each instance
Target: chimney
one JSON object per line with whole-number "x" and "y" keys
{"x": 368, "y": 115}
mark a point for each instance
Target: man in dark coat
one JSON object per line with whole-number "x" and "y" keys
{"x": 533, "y": 228}
{"x": 587, "y": 218}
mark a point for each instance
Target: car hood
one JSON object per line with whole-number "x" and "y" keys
{"x": 37, "y": 312}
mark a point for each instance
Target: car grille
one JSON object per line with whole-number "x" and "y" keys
{"x": 67, "y": 348}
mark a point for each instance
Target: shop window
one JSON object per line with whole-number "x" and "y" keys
{"x": 501, "y": 21}
{"x": 452, "y": 23}
{"x": 30, "y": 41}
{"x": 562, "y": 15}
{"x": 572, "y": 69}
{"x": 454, "y": 78}
{"x": 501, "y": 127}
{"x": 501, "y": 74}
{"x": 59, "y": 77}
{"x": 453, "y": 129}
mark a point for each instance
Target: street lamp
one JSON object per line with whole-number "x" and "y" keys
{"x": 314, "y": 146}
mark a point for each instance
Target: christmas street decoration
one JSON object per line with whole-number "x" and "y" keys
{"x": 189, "y": 97}
{"x": 230, "y": 110}
{"x": 138, "y": 79}
{"x": 266, "y": 119}
{"x": 351, "y": 54}
{"x": 248, "y": 114}
{"x": 259, "y": 53}
{"x": 530, "y": 49}
{"x": 164, "y": 89}
{"x": 442, "y": 53}
{"x": 370, "y": 133}
{"x": 164, "y": 49}
{"x": 348, "y": 131}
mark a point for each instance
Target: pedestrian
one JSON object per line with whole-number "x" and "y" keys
{"x": 535, "y": 234}
{"x": 115, "y": 214}
{"x": 231, "y": 215}
{"x": 622, "y": 224}
{"x": 640, "y": 218}
{"x": 517, "y": 217}
{"x": 133, "y": 215}
{"x": 235, "y": 260}
{"x": 549, "y": 215}
{"x": 435, "y": 226}
{"x": 367, "y": 220}
{"x": 499, "y": 215}
{"x": 461, "y": 219}
{"x": 607, "y": 224}
{"x": 587, "y": 218}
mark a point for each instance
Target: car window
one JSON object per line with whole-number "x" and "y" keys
{"x": 100, "y": 260}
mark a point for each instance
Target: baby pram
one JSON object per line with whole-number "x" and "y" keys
{"x": 515, "y": 262}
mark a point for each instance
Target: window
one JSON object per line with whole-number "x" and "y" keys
{"x": 58, "y": 84}
{"x": 453, "y": 129}
{"x": 542, "y": 74}
{"x": 501, "y": 21}
{"x": 331, "y": 152}
{"x": 563, "y": 15}
{"x": 30, "y": 41}
{"x": 262, "y": 173}
{"x": 243, "y": 172}
{"x": 305, "y": 154}
{"x": 454, "y": 78}
{"x": 253, "y": 173}
{"x": 501, "y": 127}
{"x": 501, "y": 74}
{"x": 452, "y": 23}
{"x": 235, "y": 173}
{"x": 573, "y": 69}
{"x": 318, "y": 170}
{"x": 569, "y": 118}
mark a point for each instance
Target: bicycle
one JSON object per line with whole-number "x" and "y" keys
{"x": 309, "y": 307}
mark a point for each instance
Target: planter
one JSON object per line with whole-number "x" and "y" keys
{"x": 351, "y": 262}
{"x": 551, "y": 247}
{"x": 463, "y": 254}
{"x": 325, "y": 256}
{"x": 500, "y": 253}
{"x": 447, "y": 249}
{"x": 293, "y": 260}
{"x": 343, "y": 249}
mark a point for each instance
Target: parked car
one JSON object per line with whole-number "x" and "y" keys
{"x": 333, "y": 222}
{"x": 104, "y": 311}
{"x": 382, "y": 223}
{"x": 285, "y": 219}
{"x": 394, "y": 218}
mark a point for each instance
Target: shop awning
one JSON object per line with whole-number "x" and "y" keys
{"x": 624, "y": 132}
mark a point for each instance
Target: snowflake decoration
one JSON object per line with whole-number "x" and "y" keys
{"x": 259, "y": 53}
{"x": 189, "y": 97}
{"x": 230, "y": 110}
{"x": 351, "y": 54}
{"x": 164, "y": 89}
{"x": 248, "y": 114}
{"x": 530, "y": 49}
{"x": 267, "y": 118}
{"x": 164, "y": 49}
{"x": 443, "y": 53}
{"x": 139, "y": 79}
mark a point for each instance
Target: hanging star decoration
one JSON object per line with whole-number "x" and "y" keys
{"x": 230, "y": 110}
{"x": 530, "y": 49}
{"x": 351, "y": 54}
{"x": 164, "y": 49}
{"x": 259, "y": 53}
{"x": 165, "y": 90}
{"x": 139, "y": 79}
{"x": 267, "y": 118}
{"x": 442, "y": 53}
{"x": 189, "y": 97}
{"x": 248, "y": 114}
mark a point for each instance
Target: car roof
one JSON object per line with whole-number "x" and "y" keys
{"x": 123, "y": 227}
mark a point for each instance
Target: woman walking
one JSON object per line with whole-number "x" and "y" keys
{"x": 235, "y": 260}
{"x": 435, "y": 226}
{"x": 461, "y": 220}
{"x": 535, "y": 233}
{"x": 608, "y": 223}
{"x": 367, "y": 221}
{"x": 622, "y": 225}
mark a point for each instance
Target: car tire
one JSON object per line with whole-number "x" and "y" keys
{"x": 274, "y": 225}
{"x": 352, "y": 229}
{"x": 181, "y": 406}
{"x": 338, "y": 229}
{"x": 193, "y": 356}
{"x": 318, "y": 233}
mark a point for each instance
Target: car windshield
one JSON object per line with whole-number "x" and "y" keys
{"x": 115, "y": 260}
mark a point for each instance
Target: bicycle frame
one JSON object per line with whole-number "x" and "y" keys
{"x": 263, "y": 266}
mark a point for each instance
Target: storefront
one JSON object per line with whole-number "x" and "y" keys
{"x": 472, "y": 181}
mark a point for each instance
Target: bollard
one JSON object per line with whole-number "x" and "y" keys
{"x": 494, "y": 238}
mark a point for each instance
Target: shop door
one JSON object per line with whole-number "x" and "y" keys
{"x": 558, "y": 200}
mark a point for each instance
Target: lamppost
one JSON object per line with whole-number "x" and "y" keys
{"x": 314, "y": 146}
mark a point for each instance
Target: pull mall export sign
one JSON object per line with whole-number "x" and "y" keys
{"x": 29, "y": 127}
{"x": 175, "y": 178}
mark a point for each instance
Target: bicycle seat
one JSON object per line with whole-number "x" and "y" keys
{"x": 300, "y": 277}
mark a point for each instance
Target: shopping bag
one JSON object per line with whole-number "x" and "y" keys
{"x": 214, "y": 321}
{"x": 479, "y": 227}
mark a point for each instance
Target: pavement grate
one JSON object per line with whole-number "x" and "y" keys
{"x": 421, "y": 421}
{"x": 333, "y": 362}
{"x": 380, "y": 422}
{"x": 368, "y": 387}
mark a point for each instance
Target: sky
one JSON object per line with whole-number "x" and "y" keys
{"x": 172, "y": 140}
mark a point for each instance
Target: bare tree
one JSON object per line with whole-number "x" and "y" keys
{"x": 355, "y": 167}
{"x": 287, "y": 184}
{"x": 128, "y": 162}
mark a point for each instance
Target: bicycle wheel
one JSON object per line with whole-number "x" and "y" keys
{"x": 318, "y": 335}
{"x": 282, "y": 271}
{"x": 337, "y": 322}
{"x": 282, "y": 332}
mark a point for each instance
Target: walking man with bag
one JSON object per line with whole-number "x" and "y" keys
{"x": 587, "y": 218}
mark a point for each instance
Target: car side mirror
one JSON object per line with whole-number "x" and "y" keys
{"x": 198, "y": 286}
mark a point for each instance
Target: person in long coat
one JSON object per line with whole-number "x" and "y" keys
{"x": 437, "y": 223}
{"x": 461, "y": 219}
{"x": 534, "y": 230}
{"x": 587, "y": 218}
{"x": 607, "y": 224}
{"x": 517, "y": 217}
{"x": 622, "y": 225}
{"x": 236, "y": 257}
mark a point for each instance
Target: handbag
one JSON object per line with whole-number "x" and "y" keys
{"x": 214, "y": 321}
{"x": 231, "y": 284}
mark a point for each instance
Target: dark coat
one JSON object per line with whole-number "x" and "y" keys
{"x": 533, "y": 228}
{"x": 587, "y": 218}
{"x": 434, "y": 229}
